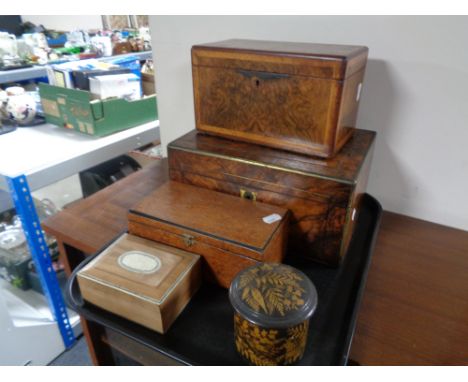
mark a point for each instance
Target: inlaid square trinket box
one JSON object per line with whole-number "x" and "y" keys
{"x": 143, "y": 281}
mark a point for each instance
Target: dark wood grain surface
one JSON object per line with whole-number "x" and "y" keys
{"x": 343, "y": 168}
{"x": 142, "y": 354}
{"x": 415, "y": 306}
{"x": 273, "y": 94}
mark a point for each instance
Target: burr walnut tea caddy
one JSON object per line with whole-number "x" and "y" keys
{"x": 299, "y": 97}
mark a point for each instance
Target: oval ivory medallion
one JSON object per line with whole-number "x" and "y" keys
{"x": 139, "y": 262}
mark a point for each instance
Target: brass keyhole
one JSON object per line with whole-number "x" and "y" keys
{"x": 257, "y": 83}
{"x": 188, "y": 239}
{"x": 250, "y": 195}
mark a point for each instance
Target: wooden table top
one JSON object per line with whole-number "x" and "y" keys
{"x": 415, "y": 306}
{"x": 95, "y": 221}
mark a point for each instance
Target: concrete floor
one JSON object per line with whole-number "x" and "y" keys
{"x": 78, "y": 355}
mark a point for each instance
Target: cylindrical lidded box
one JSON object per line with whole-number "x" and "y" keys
{"x": 273, "y": 304}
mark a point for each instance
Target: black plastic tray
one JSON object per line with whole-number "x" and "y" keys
{"x": 203, "y": 333}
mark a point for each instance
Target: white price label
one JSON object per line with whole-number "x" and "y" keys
{"x": 271, "y": 218}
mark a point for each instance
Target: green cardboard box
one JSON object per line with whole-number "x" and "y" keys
{"x": 75, "y": 109}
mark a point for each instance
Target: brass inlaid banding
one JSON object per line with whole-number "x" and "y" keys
{"x": 260, "y": 164}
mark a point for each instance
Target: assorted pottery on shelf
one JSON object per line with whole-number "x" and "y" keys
{"x": 17, "y": 105}
{"x": 275, "y": 170}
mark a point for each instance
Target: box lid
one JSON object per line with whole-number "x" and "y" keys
{"x": 212, "y": 215}
{"x": 331, "y": 60}
{"x": 342, "y": 168}
{"x": 273, "y": 295}
{"x": 140, "y": 267}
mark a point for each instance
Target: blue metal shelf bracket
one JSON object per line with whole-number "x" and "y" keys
{"x": 24, "y": 204}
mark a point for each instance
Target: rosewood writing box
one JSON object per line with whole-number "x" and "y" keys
{"x": 142, "y": 281}
{"x": 230, "y": 233}
{"x": 322, "y": 195}
{"x": 298, "y": 97}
